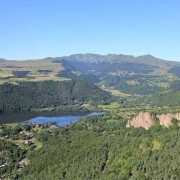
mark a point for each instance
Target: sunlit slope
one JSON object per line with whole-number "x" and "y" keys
{"x": 30, "y": 70}
{"x": 125, "y": 74}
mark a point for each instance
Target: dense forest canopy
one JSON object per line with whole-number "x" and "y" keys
{"x": 30, "y": 95}
{"x": 102, "y": 148}
{"x": 94, "y": 148}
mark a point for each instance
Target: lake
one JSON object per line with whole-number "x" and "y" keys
{"x": 44, "y": 117}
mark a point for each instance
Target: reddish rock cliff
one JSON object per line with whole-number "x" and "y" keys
{"x": 145, "y": 120}
{"x": 166, "y": 119}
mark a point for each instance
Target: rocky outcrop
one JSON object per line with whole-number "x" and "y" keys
{"x": 146, "y": 120}
{"x": 166, "y": 119}
{"x": 143, "y": 119}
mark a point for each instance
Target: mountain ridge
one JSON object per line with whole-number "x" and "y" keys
{"x": 104, "y": 57}
{"x": 144, "y": 74}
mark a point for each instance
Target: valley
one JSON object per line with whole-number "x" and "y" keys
{"x": 136, "y": 137}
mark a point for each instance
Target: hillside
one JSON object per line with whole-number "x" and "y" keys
{"x": 122, "y": 75}
{"x": 113, "y": 58}
{"x": 137, "y": 137}
{"x": 122, "y": 72}
{"x": 170, "y": 98}
{"x": 90, "y": 62}
{"x": 94, "y": 148}
{"x": 142, "y": 75}
{"x": 30, "y": 96}
{"x": 102, "y": 148}
{"x": 29, "y": 70}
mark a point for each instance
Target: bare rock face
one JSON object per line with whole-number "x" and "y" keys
{"x": 143, "y": 119}
{"x": 166, "y": 119}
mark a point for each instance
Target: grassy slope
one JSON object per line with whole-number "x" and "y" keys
{"x": 7, "y": 68}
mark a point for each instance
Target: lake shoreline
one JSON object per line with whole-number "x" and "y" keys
{"x": 45, "y": 117}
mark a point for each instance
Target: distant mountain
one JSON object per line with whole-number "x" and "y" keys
{"x": 152, "y": 63}
{"x": 147, "y": 59}
{"x": 141, "y": 75}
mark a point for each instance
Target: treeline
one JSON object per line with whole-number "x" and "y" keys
{"x": 37, "y": 95}
{"x": 102, "y": 148}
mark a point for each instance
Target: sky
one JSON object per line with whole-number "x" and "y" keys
{"x": 31, "y": 29}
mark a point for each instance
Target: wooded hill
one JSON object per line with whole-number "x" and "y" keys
{"x": 35, "y": 95}
{"x": 141, "y": 78}
{"x": 102, "y": 148}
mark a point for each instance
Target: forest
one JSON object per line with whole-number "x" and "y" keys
{"x": 93, "y": 148}
{"x": 99, "y": 147}
{"x": 102, "y": 148}
{"x": 90, "y": 90}
{"x": 29, "y": 96}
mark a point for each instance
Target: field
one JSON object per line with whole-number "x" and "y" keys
{"x": 115, "y": 92}
{"x": 30, "y": 70}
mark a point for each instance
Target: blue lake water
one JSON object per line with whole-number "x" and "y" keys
{"x": 60, "y": 120}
